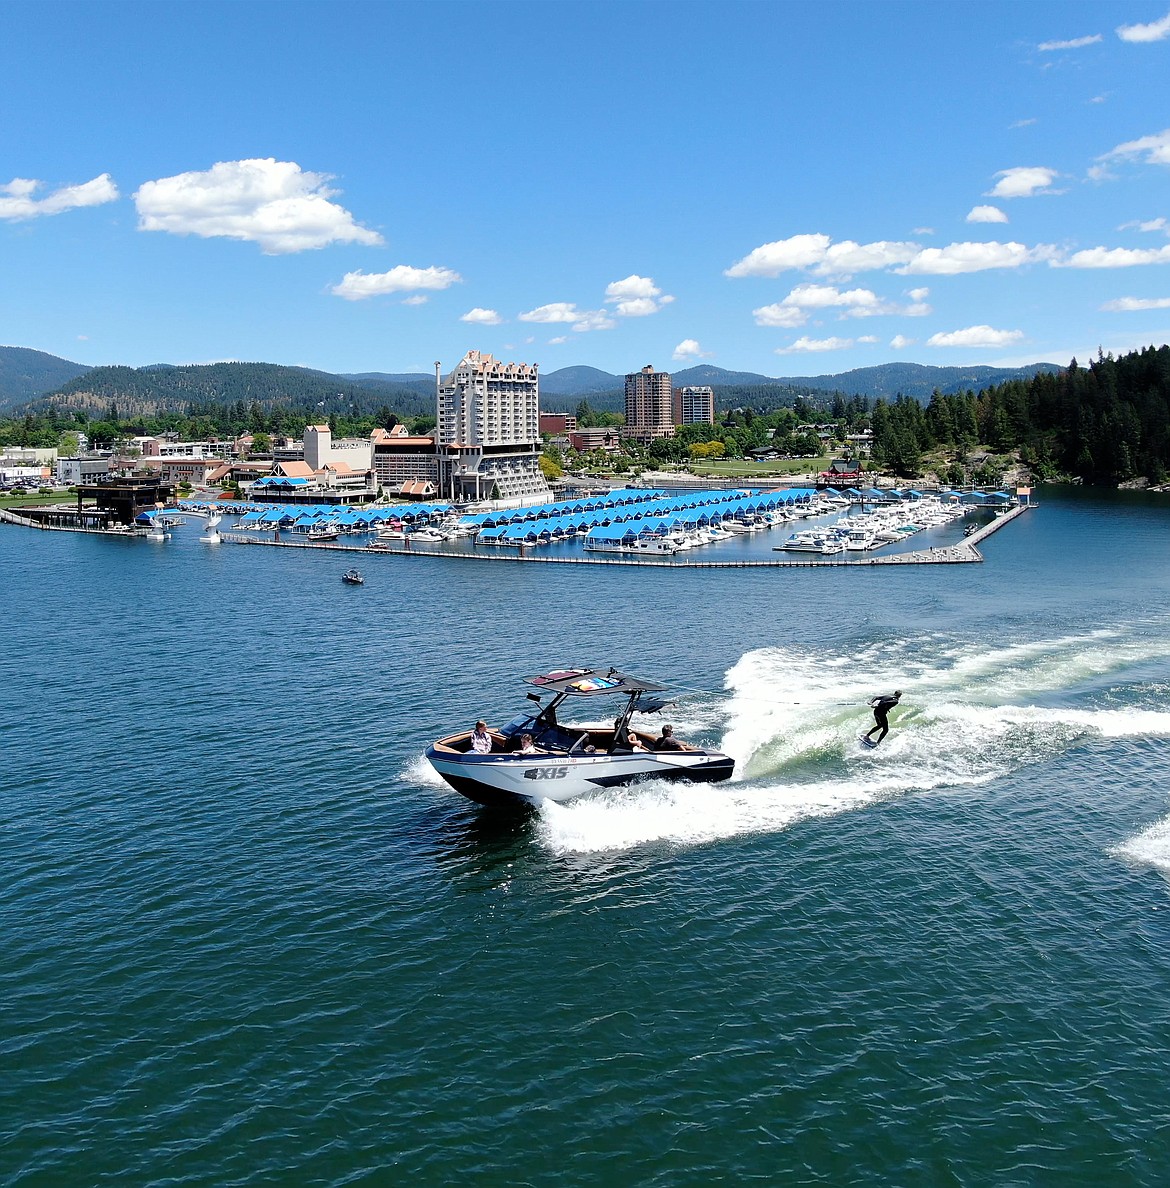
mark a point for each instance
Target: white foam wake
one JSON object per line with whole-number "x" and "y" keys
{"x": 792, "y": 719}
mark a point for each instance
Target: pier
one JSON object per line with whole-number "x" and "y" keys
{"x": 963, "y": 552}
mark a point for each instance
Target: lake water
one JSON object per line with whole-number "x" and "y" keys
{"x": 249, "y": 937}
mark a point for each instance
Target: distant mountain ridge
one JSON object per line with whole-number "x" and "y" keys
{"x": 34, "y": 377}
{"x": 26, "y": 374}
{"x": 886, "y": 380}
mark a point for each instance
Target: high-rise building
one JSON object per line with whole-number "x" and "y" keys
{"x": 694, "y": 405}
{"x": 648, "y": 405}
{"x": 488, "y": 430}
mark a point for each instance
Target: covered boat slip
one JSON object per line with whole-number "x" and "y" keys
{"x": 652, "y": 515}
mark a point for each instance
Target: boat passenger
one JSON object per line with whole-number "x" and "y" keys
{"x": 481, "y": 741}
{"x": 527, "y": 747}
{"x": 668, "y": 742}
{"x": 636, "y": 744}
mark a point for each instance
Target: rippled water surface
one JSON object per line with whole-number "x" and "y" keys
{"x": 249, "y": 937}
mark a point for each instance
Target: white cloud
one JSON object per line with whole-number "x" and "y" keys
{"x": 558, "y": 340}
{"x": 900, "y": 341}
{"x": 846, "y": 258}
{"x": 819, "y": 255}
{"x": 636, "y": 297}
{"x": 807, "y": 345}
{"x": 1158, "y": 224}
{"x": 918, "y": 294}
{"x": 637, "y": 307}
{"x": 593, "y": 319}
{"x": 1152, "y": 150}
{"x": 771, "y": 259}
{"x": 687, "y": 350}
{"x": 1027, "y": 123}
{"x": 1132, "y": 304}
{"x": 1075, "y": 43}
{"x": 1025, "y": 181}
{"x": 632, "y": 286}
{"x": 986, "y": 214}
{"x": 482, "y": 317}
{"x": 825, "y": 296}
{"x": 273, "y": 203}
{"x": 975, "y": 336}
{"x": 958, "y": 258}
{"x": 788, "y": 316}
{"x": 17, "y": 199}
{"x": 417, "y": 299}
{"x": 854, "y": 303}
{"x": 1154, "y": 31}
{"x": 1102, "y": 257}
{"x": 556, "y": 311}
{"x": 357, "y": 286}
{"x": 567, "y": 311}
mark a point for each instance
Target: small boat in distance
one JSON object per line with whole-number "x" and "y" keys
{"x": 353, "y": 577}
{"x": 566, "y": 759}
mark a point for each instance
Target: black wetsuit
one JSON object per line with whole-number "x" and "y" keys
{"x": 881, "y": 710}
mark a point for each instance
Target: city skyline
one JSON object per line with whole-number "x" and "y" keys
{"x": 805, "y": 189}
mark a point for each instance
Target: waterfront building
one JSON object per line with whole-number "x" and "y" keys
{"x": 322, "y": 450}
{"x": 169, "y": 446}
{"x": 84, "y": 469}
{"x": 181, "y": 469}
{"x": 694, "y": 404}
{"x": 649, "y": 406}
{"x": 557, "y": 424}
{"x": 585, "y": 440}
{"x": 488, "y": 430}
{"x": 405, "y": 465}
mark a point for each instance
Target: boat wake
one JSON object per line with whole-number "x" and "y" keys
{"x": 970, "y": 714}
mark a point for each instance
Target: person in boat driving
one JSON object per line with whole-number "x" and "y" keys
{"x": 881, "y": 707}
{"x": 527, "y": 747}
{"x": 667, "y": 742}
{"x": 481, "y": 741}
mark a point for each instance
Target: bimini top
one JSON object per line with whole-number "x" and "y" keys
{"x": 589, "y": 682}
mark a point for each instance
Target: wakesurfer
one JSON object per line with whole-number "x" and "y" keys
{"x": 881, "y": 707}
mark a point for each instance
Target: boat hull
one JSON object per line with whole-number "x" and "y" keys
{"x": 512, "y": 780}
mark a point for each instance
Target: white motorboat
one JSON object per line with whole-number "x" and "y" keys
{"x": 570, "y": 759}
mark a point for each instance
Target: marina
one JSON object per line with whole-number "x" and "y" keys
{"x": 965, "y": 551}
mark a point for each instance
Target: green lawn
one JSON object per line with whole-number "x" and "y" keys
{"x": 35, "y": 499}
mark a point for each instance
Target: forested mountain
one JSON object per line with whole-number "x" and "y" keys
{"x": 887, "y": 380}
{"x": 1105, "y": 424}
{"x": 580, "y": 381}
{"x": 27, "y": 374}
{"x": 918, "y": 380}
{"x": 147, "y": 391}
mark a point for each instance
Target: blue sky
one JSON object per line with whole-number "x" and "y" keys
{"x": 786, "y": 188}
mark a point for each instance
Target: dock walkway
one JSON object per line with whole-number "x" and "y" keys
{"x": 964, "y": 552}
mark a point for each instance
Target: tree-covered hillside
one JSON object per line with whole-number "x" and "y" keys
{"x": 147, "y": 391}
{"x": 1105, "y": 424}
{"x": 26, "y": 374}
